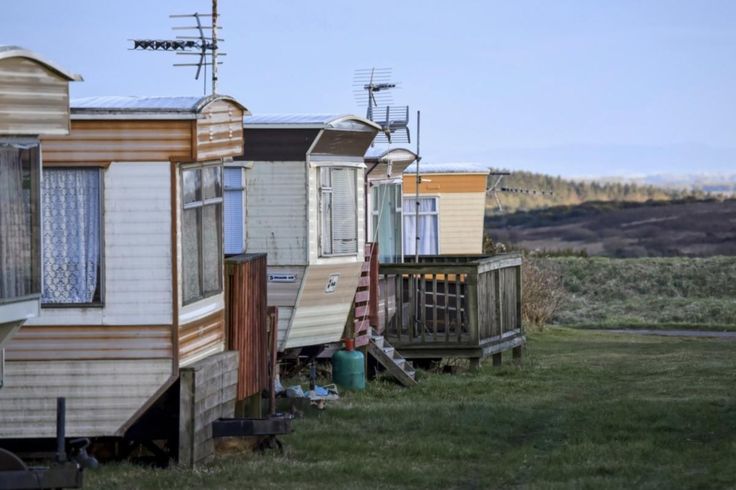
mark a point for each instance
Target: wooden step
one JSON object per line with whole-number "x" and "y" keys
{"x": 390, "y": 359}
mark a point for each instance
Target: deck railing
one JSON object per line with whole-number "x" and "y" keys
{"x": 457, "y": 302}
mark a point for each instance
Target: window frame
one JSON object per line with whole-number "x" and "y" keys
{"x": 436, "y": 213}
{"x": 36, "y": 236}
{"x": 322, "y": 190}
{"x": 243, "y": 191}
{"x": 201, "y": 204}
{"x": 399, "y": 210}
{"x": 100, "y": 290}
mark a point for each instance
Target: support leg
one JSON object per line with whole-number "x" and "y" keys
{"x": 474, "y": 363}
{"x": 497, "y": 359}
{"x": 517, "y": 353}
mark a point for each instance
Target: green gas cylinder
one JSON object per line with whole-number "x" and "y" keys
{"x": 348, "y": 367}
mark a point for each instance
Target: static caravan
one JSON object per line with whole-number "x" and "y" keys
{"x": 305, "y": 209}
{"x": 384, "y": 169}
{"x": 34, "y": 101}
{"x": 452, "y": 198}
{"x": 132, "y": 262}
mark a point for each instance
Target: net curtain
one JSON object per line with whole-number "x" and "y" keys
{"x": 71, "y": 235}
{"x": 427, "y": 227}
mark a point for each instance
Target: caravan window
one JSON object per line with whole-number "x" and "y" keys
{"x": 427, "y": 228}
{"x": 71, "y": 207}
{"x": 338, "y": 210}
{"x": 201, "y": 232}
{"x": 386, "y": 201}
{"x": 19, "y": 221}
{"x": 234, "y": 211}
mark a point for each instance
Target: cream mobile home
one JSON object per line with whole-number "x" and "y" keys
{"x": 34, "y": 101}
{"x": 452, "y": 199}
{"x": 305, "y": 208}
{"x": 132, "y": 261}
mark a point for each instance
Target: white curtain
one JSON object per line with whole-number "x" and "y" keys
{"x": 71, "y": 235}
{"x": 427, "y": 226}
{"x": 15, "y": 226}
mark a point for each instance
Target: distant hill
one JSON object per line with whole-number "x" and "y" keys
{"x": 724, "y": 184}
{"x": 567, "y": 192}
{"x": 689, "y": 227}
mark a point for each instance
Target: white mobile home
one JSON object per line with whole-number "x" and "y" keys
{"x": 132, "y": 263}
{"x": 305, "y": 208}
{"x": 34, "y": 101}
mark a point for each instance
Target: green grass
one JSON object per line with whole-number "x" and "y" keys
{"x": 668, "y": 292}
{"x": 586, "y": 410}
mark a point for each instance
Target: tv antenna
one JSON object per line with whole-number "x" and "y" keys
{"x": 371, "y": 88}
{"x": 497, "y": 188}
{"x": 201, "y": 41}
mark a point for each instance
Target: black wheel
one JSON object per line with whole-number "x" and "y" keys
{"x": 10, "y": 462}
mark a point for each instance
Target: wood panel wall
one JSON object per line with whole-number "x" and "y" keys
{"x": 33, "y": 99}
{"x": 246, "y": 319}
{"x": 208, "y": 389}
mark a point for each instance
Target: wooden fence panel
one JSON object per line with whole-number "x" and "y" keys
{"x": 246, "y": 321}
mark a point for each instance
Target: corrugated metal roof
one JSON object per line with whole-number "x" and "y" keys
{"x": 305, "y": 120}
{"x": 376, "y": 153}
{"x": 135, "y": 103}
{"x": 9, "y": 51}
{"x": 448, "y": 168}
{"x": 161, "y": 105}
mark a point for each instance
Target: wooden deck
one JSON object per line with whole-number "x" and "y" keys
{"x": 452, "y": 306}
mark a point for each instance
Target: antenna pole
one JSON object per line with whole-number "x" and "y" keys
{"x": 418, "y": 181}
{"x": 214, "y": 47}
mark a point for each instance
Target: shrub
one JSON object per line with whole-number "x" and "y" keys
{"x": 542, "y": 293}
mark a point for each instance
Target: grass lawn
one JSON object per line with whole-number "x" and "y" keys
{"x": 587, "y": 409}
{"x": 675, "y": 292}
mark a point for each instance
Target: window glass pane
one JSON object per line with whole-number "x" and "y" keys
{"x": 192, "y": 185}
{"x": 326, "y": 211}
{"x": 19, "y": 217}
{"x": 344, "y": 225}
{"x": 190, "y": 254}
{"x": 212, "y": 182}
{"x": 234, "y": 220}
{"x": 211, "y": 252}
{"x": 71, "y": 235}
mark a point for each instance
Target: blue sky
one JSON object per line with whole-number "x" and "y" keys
{"x": 575, "y": 88}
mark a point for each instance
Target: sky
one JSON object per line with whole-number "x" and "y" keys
{"x": 573, "y": 88}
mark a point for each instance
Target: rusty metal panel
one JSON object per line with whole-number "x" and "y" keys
{"x": 200, "y": 336}
{"x": 247, "y": 326}
{"x": 33, "y": 99}
{"x": 57, "y": 343}
{"x": 121, "y": 141}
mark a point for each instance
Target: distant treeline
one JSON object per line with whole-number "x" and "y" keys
{"x": 557, "y": 191}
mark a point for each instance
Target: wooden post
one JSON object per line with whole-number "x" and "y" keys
{"x": 497, "y": 359}
{"x": 517, "y": 353}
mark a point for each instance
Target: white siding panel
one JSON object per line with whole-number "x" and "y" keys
{"x": 276, "y": 217}
{"x": 285, "y": 315}
{"x": 137, "y": 258}
{"x": 101, "y": 395}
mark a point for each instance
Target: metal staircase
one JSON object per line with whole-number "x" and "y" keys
{"x": 389, "y": 358}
